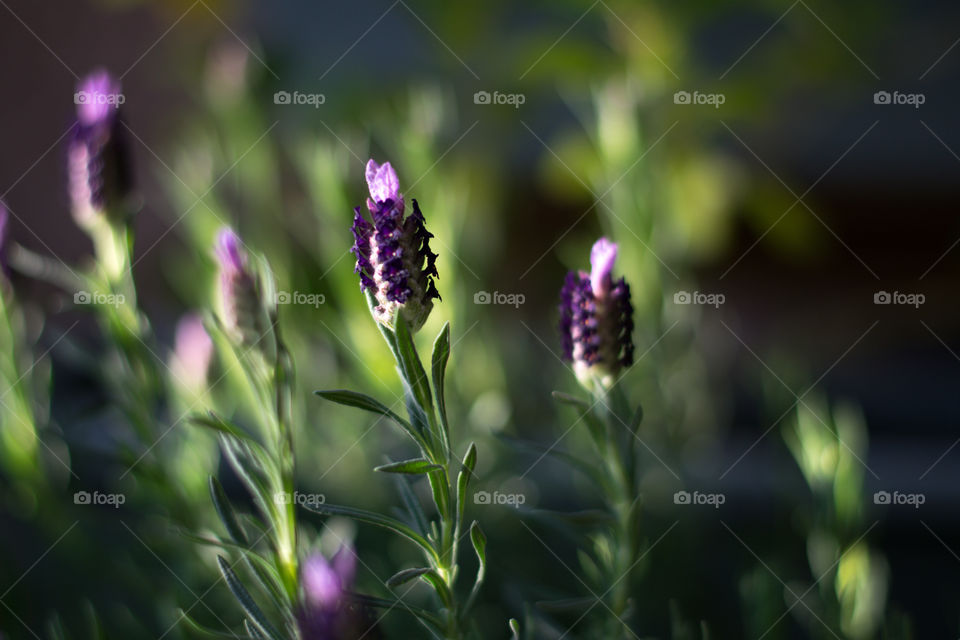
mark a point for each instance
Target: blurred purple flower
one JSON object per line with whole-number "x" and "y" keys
{"x": 241, "y": 309}
{"x": 324, "y": 611}
{"x": 596, "y": 318}
{"x": 393, "y": 254}
{"x": 192, "y": 352}
{"x": 98, "y": 166}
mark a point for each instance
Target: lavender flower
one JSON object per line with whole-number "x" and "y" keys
{"x": 241, "y": 307}
{"x": 324, "y": 612}
{"x": 393, "y": 254}
{"x": 596, "y": 319}
{"x": 192, "y": 352}
{"x": 97, "y": 161}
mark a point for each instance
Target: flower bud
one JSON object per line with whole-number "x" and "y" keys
{"x": 241, "y": 306}
{"x": 98, "y": 166}
{"x": 596, "y": 319}
{"x": 393, "y": 254}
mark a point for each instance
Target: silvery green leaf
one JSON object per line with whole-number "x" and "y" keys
{"x": 256, "y": 616}
{"x": 365, "y": 402}
{"x": 463, "y": 478}
{"x": 441, "y": 354}
{"x": 412, "y": 504}
{"x": 515, "y": 629}
{"x": 479, "y": 541}
{"x": 406, "y": 575}
{"x": 370, "y": 517}
{"x": 413, "y": 467}
{"x": 381, "y": 603}
{"x": 225, "y": 510}
{"x": 411, "y": 366}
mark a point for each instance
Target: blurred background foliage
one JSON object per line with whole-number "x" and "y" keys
{"x": 514, "y": 197}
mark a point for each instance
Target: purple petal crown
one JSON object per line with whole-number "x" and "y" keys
{"x": 393, "y": 253}
{"x": 241, "y": 306}
{"x": 98, "y": 165}
{"x": 596, "y": 318}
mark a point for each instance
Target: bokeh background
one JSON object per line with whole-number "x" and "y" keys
{"x": 796, "y": 200}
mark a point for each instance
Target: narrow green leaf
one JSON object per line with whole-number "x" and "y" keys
{"x": 412, "y": 504}
{"x": 479, "y": 541}
{"x": 406, "y": 575}
{"x": 360, "y": 401}
{"x": 515, "y": 628}
{"x": 415, "y": 466}
{"x": 365, "y": 402}
{"x": 463, "y": 478}
{"x": 252, "y": 631}
{"x": 225, "y": 510}
{"x": 381, "y": 603}
{"x": 574, "y": 401}
{"x": 411, "y": 366}
{"x": 441, "y": 354}
{"x": 378, "y": 520}
{"x": 246, "y": 601}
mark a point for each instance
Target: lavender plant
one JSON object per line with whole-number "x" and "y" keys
{"x": 397, "y": 271}
{"x": 596, "y": 327}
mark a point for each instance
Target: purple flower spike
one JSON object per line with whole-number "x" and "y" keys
{"x": 596, "y": 319}
{"x": 98, "y": 166}
{"x": 241, "y": 308}
{"x": 324, "y": 612}
{"x": 393, "y": 253}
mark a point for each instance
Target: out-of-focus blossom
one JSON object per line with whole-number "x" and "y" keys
{"x": 393, "y": 254}
{"x": 192, "y": 352}
{"x": 4, "y": 220}
{"x": 241, "y": 306}
{"x": 596, "y": 319}
{"x": 324, "y": 612}
{"x": 98, "y": 165}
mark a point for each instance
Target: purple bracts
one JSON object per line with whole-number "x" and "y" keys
{"x": 596, "y": 317}
{"x": 97, "y": 161}
{"x": 393, "y": 254}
